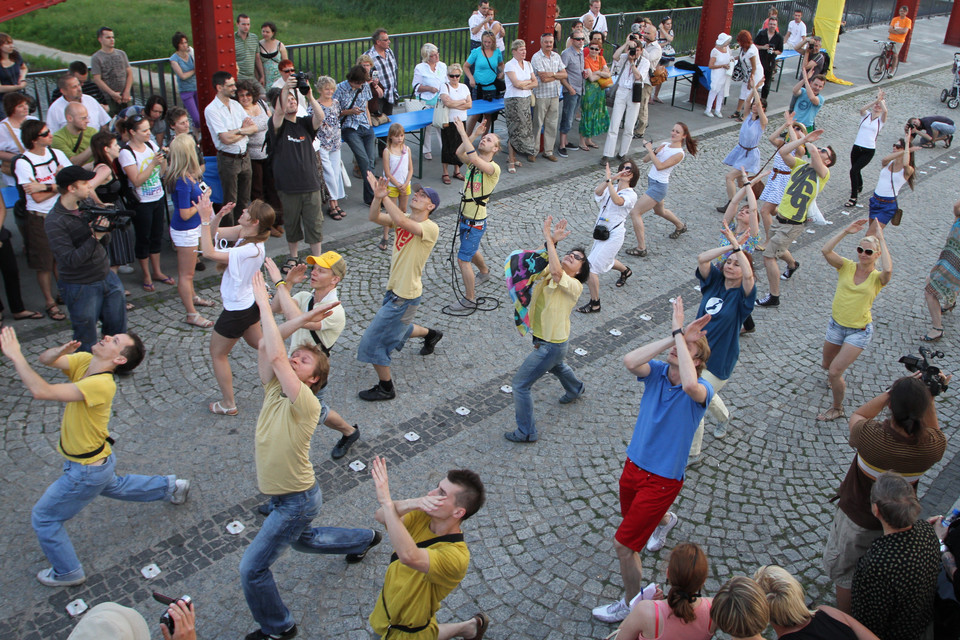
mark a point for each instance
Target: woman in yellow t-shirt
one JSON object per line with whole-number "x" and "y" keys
{"x": 851, "y": 325}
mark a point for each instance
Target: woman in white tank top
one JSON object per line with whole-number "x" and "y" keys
{"x": 872, "y": 118}
{"x": 666, "y": 156}
{"x": 898, "y": 169}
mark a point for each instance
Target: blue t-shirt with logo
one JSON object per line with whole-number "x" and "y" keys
{"x": 728, "y": 308}
{"x": 806, "y": 111}
{"x": 667, "y": 421}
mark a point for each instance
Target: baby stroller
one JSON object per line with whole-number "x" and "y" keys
{"x": 952, "y": 95}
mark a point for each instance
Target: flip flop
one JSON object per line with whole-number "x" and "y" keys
{"x": 30, "y": 315}
{"x": 167, "y": 281}
{"x": 220, "y": 410}
{"x": 483, "y": 621}
{"x": 383, "y": 245}
{"x": 54, "y": 312}
{"x": 148, "y": 286}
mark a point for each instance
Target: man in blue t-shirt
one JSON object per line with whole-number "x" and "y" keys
{"x": 673, "y": 402}
{"x": 729, "y": 294}
{"x": 807, "y": 99}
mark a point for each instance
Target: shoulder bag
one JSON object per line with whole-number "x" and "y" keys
{"x": 898, "y": 216}
{"x": 601, "y": 232}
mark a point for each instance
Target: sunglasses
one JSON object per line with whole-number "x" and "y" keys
{"x": 594, "y": 48}
{"x": 868, "y": 252}
{"x": 578, "y": 38}
{"x": 44, "y": 134}
{"x": 579, "y": 256}
{"x": 453, "y": 75}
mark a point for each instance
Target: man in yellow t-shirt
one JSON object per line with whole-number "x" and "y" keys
{"x": 483, "y": 174}
{"x": 555, "y": 294}
{"x": 899, "y": 28}
{"x": 414, "y": 239}
{"x": 85, "y": 443}
{"x": 807, "y": 180}
{"x": 287, "y": 420}
{"x": 429, "y": 557}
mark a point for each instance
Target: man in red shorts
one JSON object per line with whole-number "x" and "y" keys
{"x": 674, "y": 400}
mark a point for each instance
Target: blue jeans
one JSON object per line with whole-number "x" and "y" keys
{"x": 289, "y": 525}
{"x": 78, "y": 486}
{"x": 362, "y": 143}
{"x": 546, "y": 356}
{"x": 102, "y": 300}
{"x": 389, "y": 331}
{"x": 569, "y": 105}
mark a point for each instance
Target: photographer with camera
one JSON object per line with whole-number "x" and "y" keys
{"x": 909, "y": 441}
{"x": 91, "y": 290}
{"x": 111, "y": 621}
{"x": 295, "y": 170}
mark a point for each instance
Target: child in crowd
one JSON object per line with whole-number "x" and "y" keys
{"x": 398, "y": 170}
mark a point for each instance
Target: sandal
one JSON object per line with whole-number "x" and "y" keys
{"x": 445, "y": 179}
{"x": 927, "y": 337}
{"x": 511, "y": 167}
{"x": 289, "y": 264}
{"x": 852, "y": 202}
{"x": 677, "y": 232}
{"x": 202, "y": 302}
{"x": 427, "y": 155}
{"x": 166, "y": 280}
{"x": 591, "y": 307}
{"x": 833, "y": 413}
{"x": 334, "y": 214}
{"x": 383, "y": 245}
{"x": 593, "y": 145}
{"x": 220, "y": 410}
{"x": 946, "y": 309}
{"x": 148, "y": 286}
{"x": 735, "y": 115}
{"x": 341, "y": 213}
{"x": 54, "y": 312}
{"x": 584, "y": 148}
{"x": 457, "y": 175}
{"x": 637, "y": 253}
{"x": 28, "y": 315}
{"x": 196, "y": 320}
{"x": 623, "y": 277}
{"x": 483, "y": 621}
{"x": 131, "y": 306}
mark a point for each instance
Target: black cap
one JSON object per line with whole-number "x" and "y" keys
{"x": 68, "y": 175}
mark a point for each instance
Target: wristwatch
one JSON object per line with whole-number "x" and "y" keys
{"x": 676, "y": 331}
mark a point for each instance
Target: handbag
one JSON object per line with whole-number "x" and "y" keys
{"x": 441, "y": 113}
{"x": 7, "y": 166}
{"x": 898, "y": 216}
{"x": 605, "y": 83}
{"x": 659, "y": 75}
{"x": 739, "y": 71}
{"x": 601, "y": 232}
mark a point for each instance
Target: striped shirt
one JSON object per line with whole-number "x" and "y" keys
{"x": 246, "y": 55}
{"x": 386, "y": 66}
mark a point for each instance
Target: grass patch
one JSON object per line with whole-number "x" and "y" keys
{"x": 44, "y": 63}
{"x": 144, "y": 28}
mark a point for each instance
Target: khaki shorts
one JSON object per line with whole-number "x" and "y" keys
{"x": 302, "y": 218}
{"x": 781, "y": 237}
{"x": 36, "y": 247}
{"x": 845, "y": 545}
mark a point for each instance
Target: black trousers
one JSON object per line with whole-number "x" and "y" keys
{"x": 10, "y": 273}
{"x": 859, "y": 159}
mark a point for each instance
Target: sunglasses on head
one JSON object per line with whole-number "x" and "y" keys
{"x": 868, "y": 252}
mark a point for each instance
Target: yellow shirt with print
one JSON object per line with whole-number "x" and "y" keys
{"x": 282, "y": 441}
{"x": 477, "y": 184}
{"x": 852, "y": 302}
{"x": 552, "y": 305}
{"x": 85, "y": 422}
{"x": 802, "y": 187}
{"x": 410, "y": 253}
{"x": 413, "y": 597}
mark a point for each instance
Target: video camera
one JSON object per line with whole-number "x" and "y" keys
{"x": 165, "y": 619}
{"x": 104, "y": 219}
{"x": 929, "y": 374}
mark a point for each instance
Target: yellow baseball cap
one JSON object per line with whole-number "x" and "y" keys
{"x": 330, "y": 260}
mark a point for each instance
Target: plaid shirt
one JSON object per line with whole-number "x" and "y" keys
{"x": 386, "y": 66}
{"x": 552, "y": 64}
{"x": 344, "y": 95}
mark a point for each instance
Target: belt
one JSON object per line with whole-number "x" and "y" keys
{"x": 473, "y": 222}
{"x": 783, "y": 220}
{"x": 884, "y": 199}
{"x": 745, "y": 148}
{"x": 239, "y": 156}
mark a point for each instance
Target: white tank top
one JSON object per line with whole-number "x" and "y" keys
{"x": 399, "y": 166}
{"x": 663, "y": 155}
{"x": 868, "y": 132}
{"x": 889, "y": 186}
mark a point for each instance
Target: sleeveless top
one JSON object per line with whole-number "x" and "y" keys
{"x": 868, "y": 132}
{"x": 663, "y": 155}
{"x": 271, "y": 64}
{"x": 255, "y": 142}
{"x": 670, "y": 627}
{"x": 109, "y": 192}
{"x": 822, "y": 627}
{"x": 888, "y": 183}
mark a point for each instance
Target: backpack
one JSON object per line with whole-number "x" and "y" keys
{"x": 20, "y": 207}
{"x": 127, "y": 191}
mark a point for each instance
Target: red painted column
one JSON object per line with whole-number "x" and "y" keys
{"x": 536, "y": 18}
{"x": 716, "y": 17}
{"x": 952, "y": 37}
{"x": 213, "y": 51}
{"x": 912, "y": 14}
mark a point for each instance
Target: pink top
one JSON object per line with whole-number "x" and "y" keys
{"x": 669, "y": 626}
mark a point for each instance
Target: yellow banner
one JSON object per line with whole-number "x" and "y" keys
{"x": 826, "y": 24}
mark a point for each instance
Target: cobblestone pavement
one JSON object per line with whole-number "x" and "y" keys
{"x": 541, "y": 549}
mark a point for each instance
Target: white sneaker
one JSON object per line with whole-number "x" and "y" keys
{"x": 720, "y": 430}
{"x": 647, "y": 593}
{"x": 709, "y": 114}
{"x": 125, "y": 269}
{"x": 659, "y": 537}
{"x": 180, "y": 490}
{"x": 717, "y": 112}
{"x": 614, "y": 612}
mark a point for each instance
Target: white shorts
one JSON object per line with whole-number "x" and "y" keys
{"x": 189, "y": 238}
{"x": 603, "y": 253}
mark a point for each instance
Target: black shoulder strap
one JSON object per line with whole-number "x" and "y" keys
{"x": 314, "y": 334}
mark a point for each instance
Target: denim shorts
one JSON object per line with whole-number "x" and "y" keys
{"x": 943, "y": 128}
{"x": 471, "y": 231}
{"x": 389, "y": 330}
{"x": 656, "y": 190}
{"x": 882, "y": 209}
{"x": 840, "y": 335}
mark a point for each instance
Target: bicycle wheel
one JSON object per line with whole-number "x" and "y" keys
{"x": 943, "y": 95}
{"x": 892, "y": 67}
{"x": 953, "y": 103}
{"x": 876, "y": 69}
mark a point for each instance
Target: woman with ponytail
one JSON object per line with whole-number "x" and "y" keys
{"x": 685, "y": 613}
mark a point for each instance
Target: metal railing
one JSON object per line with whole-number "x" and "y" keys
{"x": 334, "y": 58}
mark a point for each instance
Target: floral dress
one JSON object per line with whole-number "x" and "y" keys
{"x": 594, "y": 119}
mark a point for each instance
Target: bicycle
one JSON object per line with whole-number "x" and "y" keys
{"x": 884, "y": 65}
